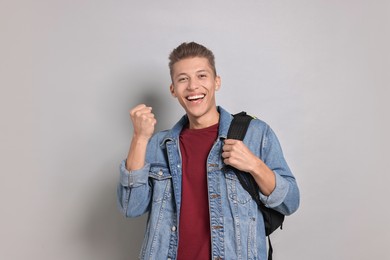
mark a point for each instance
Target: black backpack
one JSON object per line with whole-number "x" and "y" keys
{"x": 272, "y": 218}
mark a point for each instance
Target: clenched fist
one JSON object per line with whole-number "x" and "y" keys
{"x": 236, "y": 154}
{"x": 143, "y": 121}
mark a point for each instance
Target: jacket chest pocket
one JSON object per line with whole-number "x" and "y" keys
{"x": 235, "y": 190}
{"x": 161, "y": 183}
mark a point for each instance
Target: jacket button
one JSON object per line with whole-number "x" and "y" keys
{"x": 160, "y": 173}
{"x": 173, "y": 228}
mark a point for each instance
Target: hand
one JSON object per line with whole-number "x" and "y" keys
{"x": 143, "y": 121}
{"x": 237, "y": 154}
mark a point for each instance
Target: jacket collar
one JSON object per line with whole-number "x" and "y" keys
{"x": 225, "y": 119}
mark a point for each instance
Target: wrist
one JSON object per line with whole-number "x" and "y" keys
{"x": 140, "y": 138}
{"x": 258, "y": 168}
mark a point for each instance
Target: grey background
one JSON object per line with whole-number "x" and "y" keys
{"x": 316, "y": 71}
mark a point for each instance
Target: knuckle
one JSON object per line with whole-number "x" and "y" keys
{"x": 137, "y": 113}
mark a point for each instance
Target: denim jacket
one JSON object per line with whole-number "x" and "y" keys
{"x": 237, "y": 227}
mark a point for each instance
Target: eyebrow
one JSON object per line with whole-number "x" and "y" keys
{"x": 201, "y": 71}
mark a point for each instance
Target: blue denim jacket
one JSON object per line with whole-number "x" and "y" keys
{"x": 237, "y": 227}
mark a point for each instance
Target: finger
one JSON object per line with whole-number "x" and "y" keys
{"x": 229, "y": 161}
{"x": 143, "y": 113}
{"x": 225, "y": 155}
{"x": 140, "y": 109}
{"x": 146, "y": 115}
{"x": 137, "y": 108}
{"x": 144, "y": 110}
{"x": 229, "y": 144}
{"x": 231, "y": 141}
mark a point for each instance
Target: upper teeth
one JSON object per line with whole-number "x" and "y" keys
{"x": 195, "y": 97}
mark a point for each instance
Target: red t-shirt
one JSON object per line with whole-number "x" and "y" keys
{"x": 194, "y": 227}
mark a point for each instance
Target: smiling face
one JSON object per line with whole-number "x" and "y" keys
{"x": 194, "y": 84}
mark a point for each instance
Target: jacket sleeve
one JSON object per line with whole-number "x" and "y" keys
{"x": 133, "y": 191}
{"x": 285, "y": 196}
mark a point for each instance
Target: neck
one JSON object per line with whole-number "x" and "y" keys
{"x": 204, "y": 121}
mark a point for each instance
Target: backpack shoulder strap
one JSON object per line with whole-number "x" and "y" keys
{"x": 239, "y": 126}
{"x": 237, "y": 130}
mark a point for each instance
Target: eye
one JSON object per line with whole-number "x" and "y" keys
{"x": 202, "y": 76}
{"x": 182, "y": 79}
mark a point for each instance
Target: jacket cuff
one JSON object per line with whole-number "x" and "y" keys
{"x": 133, "y": 178}
{"x": 278, "y": 194}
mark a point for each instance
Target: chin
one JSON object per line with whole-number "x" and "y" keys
{"x": 197, "y": 112}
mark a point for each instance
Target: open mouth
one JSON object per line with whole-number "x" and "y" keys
{"x": 196, "y": 97}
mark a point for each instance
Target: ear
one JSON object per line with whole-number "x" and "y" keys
{"x": 217, "y": 83}
{"x": 172, "y": 89}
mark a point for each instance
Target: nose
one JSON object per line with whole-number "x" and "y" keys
{"x": 192, "y": 84}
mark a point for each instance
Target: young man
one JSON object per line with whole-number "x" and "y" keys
{"x": 197, "y": 207}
